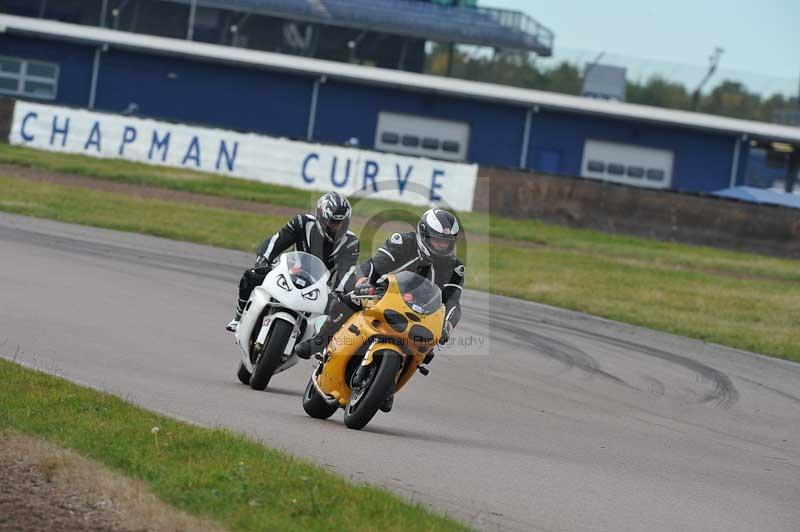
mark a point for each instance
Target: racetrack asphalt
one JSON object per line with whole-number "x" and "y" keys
{"x": 551, "y": 420}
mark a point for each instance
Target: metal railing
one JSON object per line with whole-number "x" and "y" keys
{"x": 465, "y": 25}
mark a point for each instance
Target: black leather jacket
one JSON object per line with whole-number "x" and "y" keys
{"x": 399, "y": 253}
{"x": 301, "y": 232}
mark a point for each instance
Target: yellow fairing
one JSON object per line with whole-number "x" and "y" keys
{"x": 370, "y": 325}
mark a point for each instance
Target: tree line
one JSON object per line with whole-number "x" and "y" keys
{"x": 728, "y": 98}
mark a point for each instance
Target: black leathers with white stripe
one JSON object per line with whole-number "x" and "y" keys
{"x": 400, "y": 253}
{"x": 340, "y": 257}
{"x": 302, "y": 233}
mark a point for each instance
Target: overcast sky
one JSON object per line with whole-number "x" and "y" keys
{"x": 760, "y": 37}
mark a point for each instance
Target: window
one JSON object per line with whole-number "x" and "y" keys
{"x": 387, "y": 137}
{"x": 636, "y": 172}
{"x": 654, "y": 174}
{"x": 21, "y": 77}
{"x": 616, "y": 169}
{"x": 596, "y": 166}
{"x": 430, "y": 144}
{"x": 411, "y": 141}
{"x": 10, "y": 66}
{"x": 451, "y": 146}
{"x": 422, "y": 136}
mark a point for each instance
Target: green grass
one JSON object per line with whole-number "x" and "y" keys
{"x": 179, "y": 221}
{"x": 208, "y": 473}
{"x": 697, "y": 292}
{"x": 758, "y": 314}
{"x": 530, "y": 232}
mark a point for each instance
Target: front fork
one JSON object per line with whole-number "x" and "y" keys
{"x": 366, "y": 363}
{"x": 363, "y": 369}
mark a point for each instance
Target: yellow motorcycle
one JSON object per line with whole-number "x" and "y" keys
{"x": 377, "y": 351}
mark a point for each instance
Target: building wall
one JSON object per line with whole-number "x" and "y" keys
{"x": 277, "y": 103}
{"x": 348, "y": 110}
{"x": 205, "y": 93}
{"x": 665, "y": 215}
{"x": 702, "y": 160}
{"x": 74, "y": 60}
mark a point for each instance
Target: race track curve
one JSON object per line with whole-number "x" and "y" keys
{"x": 558, "y": 421}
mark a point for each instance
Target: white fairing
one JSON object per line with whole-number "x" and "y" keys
{"x": 284, "y": 288}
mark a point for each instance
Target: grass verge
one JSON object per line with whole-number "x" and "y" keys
{"x": 115, "y": 501}
{"x": 755, "y": 311}
{"x": 212, "y": 474}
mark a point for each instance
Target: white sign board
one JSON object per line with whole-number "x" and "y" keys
{"x": 278, "y": 161}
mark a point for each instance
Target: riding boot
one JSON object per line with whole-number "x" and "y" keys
{"x": 338, "y": 313}
{"x": 316, "y": 343}
{"x": 234, "y": 323}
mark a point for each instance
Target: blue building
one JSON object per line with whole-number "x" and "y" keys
{"x": 390, "y": 110}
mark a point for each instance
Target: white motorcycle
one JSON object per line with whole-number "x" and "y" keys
{"x": 277, "y": 316}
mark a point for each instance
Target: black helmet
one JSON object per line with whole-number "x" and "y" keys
{"x": 437, "y": 232}
{"x": 333, "y": 216}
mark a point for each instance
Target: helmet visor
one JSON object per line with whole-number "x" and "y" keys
{"x": 441, "y": 245}
{"x": 336, "y": 228}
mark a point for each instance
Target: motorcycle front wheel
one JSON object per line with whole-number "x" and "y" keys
{"x": 365, "y": 401}
{"x": 314, "y": 405}
{"x": 242, "y": 374}
{"x": 270, "y": 357}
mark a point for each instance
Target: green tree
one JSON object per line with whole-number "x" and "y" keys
{"x": 659, "y": 92}
{"x": 729, "y": 98}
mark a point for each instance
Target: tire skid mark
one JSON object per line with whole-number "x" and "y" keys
{"x": 558, "y": 350}
{"x": 722, "y": 394}
{"x": 771, "y": 389}
{"x": 656, "y": 386}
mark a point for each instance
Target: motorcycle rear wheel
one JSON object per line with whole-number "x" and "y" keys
{"x": 362, "y": 407}
{"x": 271, "y": 356}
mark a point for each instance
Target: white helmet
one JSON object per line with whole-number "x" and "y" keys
{"x": 437, "y": 232}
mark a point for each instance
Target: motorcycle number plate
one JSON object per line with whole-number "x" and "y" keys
{"x": 292, "y": 341}
{"x": 262, "y": 334}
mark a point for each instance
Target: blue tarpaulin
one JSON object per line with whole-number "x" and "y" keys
{"x": 760, "y": 195}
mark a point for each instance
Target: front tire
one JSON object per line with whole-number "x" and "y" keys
{"x": 271, "y": 355}
{"x": 242, "y": 374}
{"x": 359, "y": 412}
{"x": 314, "y": 405}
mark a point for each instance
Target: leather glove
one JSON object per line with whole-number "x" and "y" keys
{"x": 445, "y": 334}
{"x": 363, "y": 288}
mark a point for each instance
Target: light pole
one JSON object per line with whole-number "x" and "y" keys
{"x": 190, "y": 29}
{"x": 713, "y": 62}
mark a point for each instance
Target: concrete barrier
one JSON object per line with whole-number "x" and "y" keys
{"x": 690, "y": 218}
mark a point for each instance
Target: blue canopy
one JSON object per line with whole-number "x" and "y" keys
{"x": 760, "y": 195}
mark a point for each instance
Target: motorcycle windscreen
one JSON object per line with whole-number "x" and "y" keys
{"x": 420, "y": 294}
{"x": 304, "y": 269}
